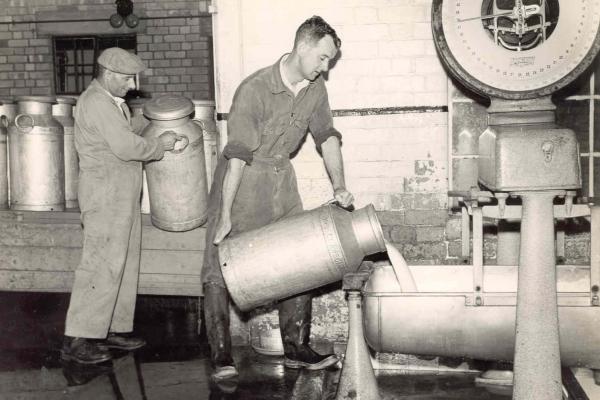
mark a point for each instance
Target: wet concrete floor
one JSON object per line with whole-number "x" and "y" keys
{"x": 174, "y": 364}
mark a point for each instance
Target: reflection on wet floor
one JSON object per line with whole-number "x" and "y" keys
{"x": 174, "y": 365}
{"x": 261, "y": 377}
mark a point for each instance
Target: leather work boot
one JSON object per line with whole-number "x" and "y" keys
{"x": 122, "y": 341}
{"x": 294, "y": 323}
{"x": 84, "y": 351}
{"x": 216, "y": 315}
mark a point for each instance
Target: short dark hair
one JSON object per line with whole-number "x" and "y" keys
{"x": 314, "y": 29}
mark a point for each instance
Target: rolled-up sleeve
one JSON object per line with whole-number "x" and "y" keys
{"x": 104, "y": 117}
{"x": 321, "y": 121}
{"x": 243, "y": 135}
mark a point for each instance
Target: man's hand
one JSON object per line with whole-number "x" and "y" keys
{"x": 222, "y": 229}
{"x": 343, "y": 197}
{"x": 168, "y": 139}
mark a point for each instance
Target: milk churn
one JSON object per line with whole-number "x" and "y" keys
{"x": 177, "y": 183}
{"x": 8, "y": 110}
{"x": 63, "y": 113}
{"x": 36, "y": 148}
{"x": 298, "y": 253}
{"x": 136, "y": 106}
{"x": 204, "y": 113}
{"x": 3, "y": 167}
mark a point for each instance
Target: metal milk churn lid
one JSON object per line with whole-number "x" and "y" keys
{"x": 36, "y": 152}
{"x": 177, "y": 185}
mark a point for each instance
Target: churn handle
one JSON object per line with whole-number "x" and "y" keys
{"x": 185, "y": 141}
{"x": 24, "y": 128}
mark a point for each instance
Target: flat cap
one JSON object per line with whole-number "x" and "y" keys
{"x": 121, "y": 61}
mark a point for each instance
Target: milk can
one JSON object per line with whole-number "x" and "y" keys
{"x": 297, "y": 254}
{"x": 63, "y": 113}
{"x": 36, "y": 147}
{"x": 177, "y": 183}
{"x": 136, "y": 106}
{"x": 204, "y": 113}
{"x": 8, "y": 110}
{"x": 3, "y": 168}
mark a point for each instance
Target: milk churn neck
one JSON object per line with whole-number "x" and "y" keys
{"x": 37, "y": 99}
{"x": 168, "y": 107}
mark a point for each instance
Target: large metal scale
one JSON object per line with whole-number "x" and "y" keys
{"x": 517, "y": 53}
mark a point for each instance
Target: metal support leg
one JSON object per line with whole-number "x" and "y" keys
{"x": 357, "y": 380}
{"x": 537, "y": 348}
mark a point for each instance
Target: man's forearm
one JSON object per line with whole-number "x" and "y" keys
{"x": 334, "y": 163}
{"x": 231, "y": 183}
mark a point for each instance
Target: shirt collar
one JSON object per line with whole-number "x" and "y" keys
{"x": 293, "y": 88}
{"x": 276, "y": 81}
{"x": 118, "y": 100}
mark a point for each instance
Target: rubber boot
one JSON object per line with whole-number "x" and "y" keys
{"x": 216, "y": 315}
{"x": 294, "y": 323}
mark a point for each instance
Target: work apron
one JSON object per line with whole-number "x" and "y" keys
{"x": 267, "y": 193}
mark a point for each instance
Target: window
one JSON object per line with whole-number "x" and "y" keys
{"x": 75, "y": 56}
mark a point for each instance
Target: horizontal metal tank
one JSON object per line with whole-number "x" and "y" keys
{"x": 177, "y": 183}
{"x": 298, "y": 253}
{"x": 63, "y": 113}
{"x": 36, "y": 148}
{"x": 446, "y": 317}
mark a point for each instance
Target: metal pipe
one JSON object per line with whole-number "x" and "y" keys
{"x": 537, "y": 348}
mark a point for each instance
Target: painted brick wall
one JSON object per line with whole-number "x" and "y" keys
{"x": 176, "y": 50}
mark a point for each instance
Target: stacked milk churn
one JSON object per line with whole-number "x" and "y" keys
{"x": 204, "y": 114}
{"x": 36, "y": 152}
{"x": 136, "y": 106}
{"x": 42, "y": 160}
{"x": 177, "y": 185}
{"x": 8, "y": 110}
{"x": 63, "y": 113}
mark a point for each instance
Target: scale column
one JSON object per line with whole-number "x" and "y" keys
{"x": 537, "y": 372}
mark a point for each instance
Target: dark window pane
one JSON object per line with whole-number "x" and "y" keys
{"x": 575, "y": 115}
{"x": 596, "y": 125}
{"x": 585, "y": 169}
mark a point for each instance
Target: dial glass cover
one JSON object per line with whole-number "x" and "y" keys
{"x": 517, "y": 48}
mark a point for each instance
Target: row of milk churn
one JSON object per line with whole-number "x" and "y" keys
{"x": 39, "y": 165}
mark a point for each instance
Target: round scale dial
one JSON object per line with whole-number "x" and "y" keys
{"x": 516, "y": 49}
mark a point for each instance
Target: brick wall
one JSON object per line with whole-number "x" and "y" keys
{"x": 178, "y": 51}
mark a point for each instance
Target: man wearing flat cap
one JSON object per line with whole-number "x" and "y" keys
{"x": 102, "y": 304}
